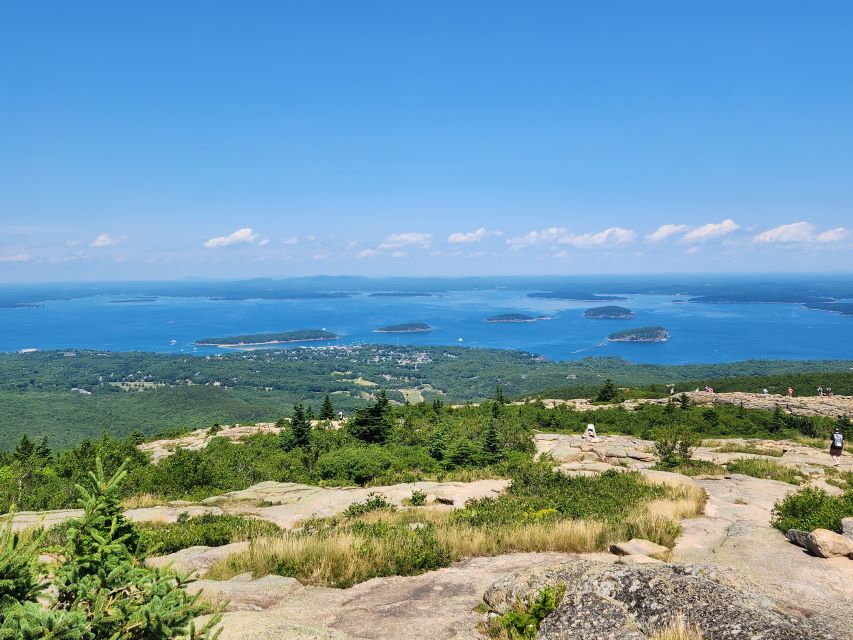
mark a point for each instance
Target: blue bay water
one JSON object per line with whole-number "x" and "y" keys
{"x": 700, "y": 333}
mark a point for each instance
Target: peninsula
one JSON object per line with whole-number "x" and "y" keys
{"x": 609, "y": 313}
{"x": 641, "y": 334}
{"x": 515, "y": 317}
{"x": 266, "y": 339}
{"x": 409, "y": 327}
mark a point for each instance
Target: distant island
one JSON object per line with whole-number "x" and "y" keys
{"x": 761, "y": 298}
{"x": 609, "y": 313}
{"x": 582, "y": 296}
{"x": 265, "y": 339}
{"x": 409, "y": 327}
{"x": 134, "y": 300}
{"x": 841, "y": 308}
{"x": 515, "y": 317}
{"x": 642, "y": 334}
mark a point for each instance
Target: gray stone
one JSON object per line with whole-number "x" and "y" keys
{"x": 847, "y": 527}
{"x": 633, "y": 602}
{"x": 637, "y": 558}
{"x": 822, "y": 542}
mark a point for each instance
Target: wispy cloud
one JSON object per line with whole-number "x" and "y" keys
{"x": 614, "y": 236}
{"x": 106, "y": 240}
{"x": 710, "y": 231}
{"x": 799, "y": 232}
{"x": 18, "y": 257}
{"x": 397, "y": 240}
{"x": 241, "y": 236}
{"x": 666, "y": 230}
{"x": 463, "y": 238}
{"x": 368, "y": 253}
{"x": 291, "y": 241}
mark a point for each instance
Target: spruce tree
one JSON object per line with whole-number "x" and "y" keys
{"x": 499, "y": 395}
{"x": 491, "y": 443}
{"x": 327, "y": 409}
{"x": 42, "y": 450}
{"x": 607, "y": 393}
{"x": 300, "y": 427}
{"x": 25, "y": 448}
{"x": 372, "y": 424}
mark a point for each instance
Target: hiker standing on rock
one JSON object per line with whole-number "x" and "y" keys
{"x": 790, "y": 392}
{"x": 836, "y": 446}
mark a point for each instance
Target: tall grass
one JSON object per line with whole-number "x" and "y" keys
{"x": 768, "y": 469}
{"x": 678, "y": 629}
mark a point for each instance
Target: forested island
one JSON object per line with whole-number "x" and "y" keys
{"x": 400, "y": 294}
{"x": 515, "y": 317}
{"x": 409, "y": 327}
{"x": 264, "y": 339}
{"x": 609, "y": 313}
{"x": 641, "y": 334}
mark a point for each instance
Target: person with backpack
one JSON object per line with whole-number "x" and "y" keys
{"x": 836, "y": 446}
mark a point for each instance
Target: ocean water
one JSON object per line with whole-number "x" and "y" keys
{"x": 700, "y": 333}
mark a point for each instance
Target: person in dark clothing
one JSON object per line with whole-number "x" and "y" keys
{"x": 836, "y": 446}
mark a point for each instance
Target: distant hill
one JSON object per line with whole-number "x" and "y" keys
{"x": 409, "y": 327}
{"x": 641, "y": 334}
{"x": 255, "y": 339}
{"x": 609, "y": 313}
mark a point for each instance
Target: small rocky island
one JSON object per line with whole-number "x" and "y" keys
{"x": 267, "y": 339}
{"x": 409, "y": 327}
{"x": 609, "y": 313}
{"x": 515, "y": 317}
{"x": 642, "y": 334}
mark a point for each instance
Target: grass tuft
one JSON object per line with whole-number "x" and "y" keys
{"x": 768, "y": 469}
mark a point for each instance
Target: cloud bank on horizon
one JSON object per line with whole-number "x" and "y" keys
{"x": 476, "y": 251}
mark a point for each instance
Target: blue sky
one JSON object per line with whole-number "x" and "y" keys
{"x": 233, "y": 139}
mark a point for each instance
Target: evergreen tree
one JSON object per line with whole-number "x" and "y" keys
{"x": 327, "y": 409}
{"x": 843, "y": 423}
{"x": 42, "y": 450}
{"x": 437, "y": 444}
{"x": 607, "y": 393}
{"x": 684, "y": 399}
{"x": 491, "y": 443}
{"x": 25, "y": 449}
{"x": 300, "y": 426}
{"x": 372, "y": 424}
{"x": 499, "y": 395}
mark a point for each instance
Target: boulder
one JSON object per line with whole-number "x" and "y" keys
{"x": 633, "y": 602}
{"x": 822, "y": 542}
{"x": 847, "y": 527}
{"x": 637, "y": 547}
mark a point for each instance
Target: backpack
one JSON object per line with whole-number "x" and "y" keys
{"x": 837, "y": 440}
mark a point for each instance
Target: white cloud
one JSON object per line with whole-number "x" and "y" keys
{"x": 833, "y": 235}
{"x": 691, "y": 250}
{"x": 241, "y": 236}
{"x": 18, "y": 257}
{"x": 614, "y": 236}
{"x": 105, "y": 240}
{"x": 665, "y": 231}
{"x": 533, "y": 238}
{"x": 712, "y": 230}
{"x": 291, "y": 241}
{"x": 399, "y": 254}
{"x": 367, "y": 253}
{"x": 397, "y": 240}
{"x": 798, "y": 232}
{"x": 462, "y": 238}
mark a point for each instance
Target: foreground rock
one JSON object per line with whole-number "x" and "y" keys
{"x": 822, "y": 542}
{"x": 633, "y": 602}
{"x": 580, "y": 454}
{"x": 438, "y": 605}
{"x": 637, "y": 547}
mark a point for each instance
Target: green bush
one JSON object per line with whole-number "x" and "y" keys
{"x": 538, "y": 489}
{"x": 206, "y": 530}
{"x": 418, "y": 498}
{"x": 523, "y": 624}
{"x": 810, "y": 509}
{"x": 374, "y": 502}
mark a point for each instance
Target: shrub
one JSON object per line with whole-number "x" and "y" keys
{"x": 374, "y": 502}
{"x": 523, "y": 623}
{"x": 674, "y": 444}
{"x": 810, "y": 509}
{"x": 418, "y": 498}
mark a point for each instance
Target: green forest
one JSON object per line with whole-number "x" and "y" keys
{"x": 71, "y": 395}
